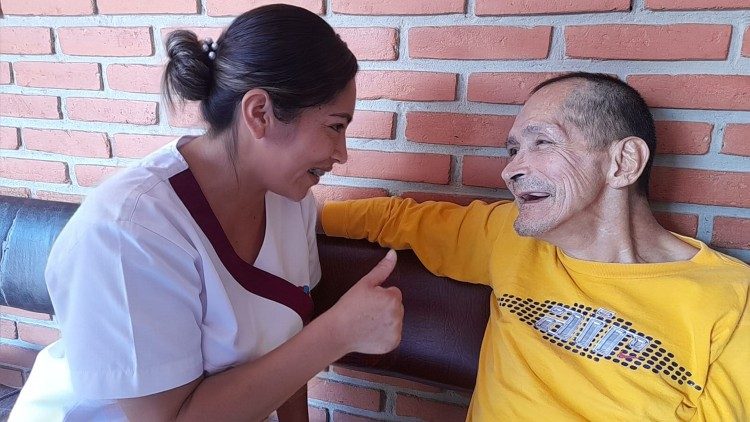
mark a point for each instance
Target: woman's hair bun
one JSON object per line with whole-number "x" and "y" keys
{"x": 188, "y": 74}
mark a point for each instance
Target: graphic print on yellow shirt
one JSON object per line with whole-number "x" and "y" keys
{"x": 599, "y": 335}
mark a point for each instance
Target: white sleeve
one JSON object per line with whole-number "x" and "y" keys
{"x": 129, "y": 308}
{"x": 310, "y": 215}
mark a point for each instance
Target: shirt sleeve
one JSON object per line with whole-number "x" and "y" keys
{"x": 450, "y": 240}
{"x": 129, "y": 308}
{"x": 726, "y": 396}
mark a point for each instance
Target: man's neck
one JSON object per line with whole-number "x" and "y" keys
{"x": 625, "y": 232}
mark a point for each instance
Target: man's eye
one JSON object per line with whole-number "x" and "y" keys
{"x": 512, "y": 151}
{"x": 542, "y": 141}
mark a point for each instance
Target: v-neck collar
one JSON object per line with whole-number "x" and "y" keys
{"x": 250, "y": 277}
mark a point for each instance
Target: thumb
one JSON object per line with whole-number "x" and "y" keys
{"x": 382, "y": 269}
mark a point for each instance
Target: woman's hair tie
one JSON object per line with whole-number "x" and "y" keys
{"x": 209, "y": 46}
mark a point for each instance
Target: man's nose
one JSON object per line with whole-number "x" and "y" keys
{"x": 515, "y": 169}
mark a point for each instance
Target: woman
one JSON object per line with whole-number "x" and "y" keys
{"x": 181, "y": 285}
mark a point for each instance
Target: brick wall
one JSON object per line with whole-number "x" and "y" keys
{"x": 440, "y": 83}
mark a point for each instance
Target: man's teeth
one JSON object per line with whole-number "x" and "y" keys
{"x": 534, "y": 196}
{"x": 317, "y": 172}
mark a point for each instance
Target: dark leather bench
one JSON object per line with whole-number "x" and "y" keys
{"x": 444, "y": 320}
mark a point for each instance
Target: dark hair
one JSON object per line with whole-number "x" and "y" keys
{"x": 607, "y": 109}
{"x": 288, "y": 51}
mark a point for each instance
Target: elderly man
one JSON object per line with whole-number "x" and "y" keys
{"x": 596, "y": 310}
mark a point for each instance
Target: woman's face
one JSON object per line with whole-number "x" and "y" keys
{"x": 300, "y": 152}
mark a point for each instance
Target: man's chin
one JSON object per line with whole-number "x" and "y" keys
{"x": 529, "y": 228}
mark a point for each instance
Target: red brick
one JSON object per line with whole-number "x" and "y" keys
{"x": 105, "y": 41}
{"x": 37, "y": 334}
{"x": 483, "y": 171}
{"x": 446, "y": 197}
{"x": 57, "y": 196}
{"x": 316, "y": 414}
{"x": 24, "y": 313}
{"x": 17, "y": 356}
{"x": 25, "y": 40}
{"x": 135, "y": 78}
{"x": 471, "y": 42}
{"x": 110, "y": 110}
{"x": 684, "y": 224}
{"x": 683, "y": 137}
{"x": 138, "y": 146}
{"x": 398, "y": 7}
{"x": 349, "y": 395}
{"x": 34, "y": 170}
{"x": 458, "y": 129}
{"x": 58, "y": 75}
{"x": 48, "y": 7}
{"x": 17, "y": 192}
{"x": 543, "y": 7}
{"x": 34, "y": 106}
{"x": 736, "y": 140}
{"x": 382, "y": 379}
{"x": 187, "y": 115}
{"x": 8, "y": 329}
{"x": 695, "y": 4}
{"x": 405, "y": 85}
{"x": 119, "y": 7}
{"x": 731, "y": 232}
{"x": 504, "y": 88}
{"x": 700, "y": 186}
{"x": 372, "y": 124}
{"x": 234, "y": 8}
{"x": 346, "y": 417}
{"x": 409, "y": 167}
{"x": 371, "y": 43}
{"x": 648, "y": 42}
{"x": 340, "y": 193}
{"x": 6, "y": 76}
{"x": 713, "y": 92}
{"x": 91, "y": 175}
{"x": 429, "y": 410}
{"x": 67, "y": 142}
{"x": 9, "y": 138}
{"x": 746, "y": 43}
{"x": 11, "y": 377}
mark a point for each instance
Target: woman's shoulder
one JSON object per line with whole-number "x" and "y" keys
{"x": 140, "y": 194}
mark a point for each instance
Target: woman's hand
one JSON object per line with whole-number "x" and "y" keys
{"x": 369, "y": 317}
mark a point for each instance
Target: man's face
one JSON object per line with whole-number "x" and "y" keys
{"x": 558, "y": 179}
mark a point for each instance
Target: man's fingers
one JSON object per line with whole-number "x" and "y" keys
{"x": 380, "y": 272}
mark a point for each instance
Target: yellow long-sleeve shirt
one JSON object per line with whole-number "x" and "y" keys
{"x": 577, "y": 340}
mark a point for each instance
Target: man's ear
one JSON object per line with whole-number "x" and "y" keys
{"x": 257, "y": 112}
{"x": 628, "y": 159}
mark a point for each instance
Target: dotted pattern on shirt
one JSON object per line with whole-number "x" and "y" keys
{"x": 654, "y": 357}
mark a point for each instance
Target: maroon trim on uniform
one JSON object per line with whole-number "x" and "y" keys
{"x": 253, "y": 279}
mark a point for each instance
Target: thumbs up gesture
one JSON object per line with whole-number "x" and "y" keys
{"x": 369, "y": 317}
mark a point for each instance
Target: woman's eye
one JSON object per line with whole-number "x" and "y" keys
{"x": 337, "y": 127}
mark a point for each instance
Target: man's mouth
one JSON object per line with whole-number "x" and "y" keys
{"x": 532, "y": 197}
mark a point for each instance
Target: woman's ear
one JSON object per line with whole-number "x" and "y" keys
{"x": 256, "y": 112}
{"x": 628, "y": 159}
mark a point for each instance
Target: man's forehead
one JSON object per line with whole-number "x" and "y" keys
{"x": 544, "y": 111}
